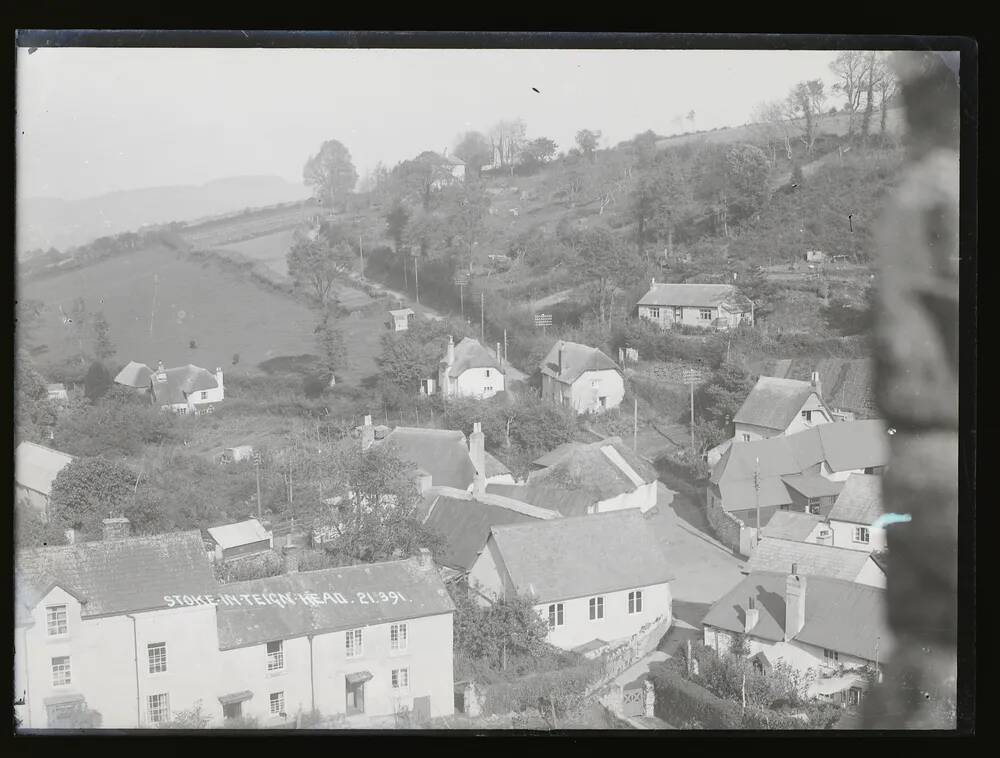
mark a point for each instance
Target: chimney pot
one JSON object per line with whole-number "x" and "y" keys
{"x": 477, "y": 452}
{"x": 795, "y": 603}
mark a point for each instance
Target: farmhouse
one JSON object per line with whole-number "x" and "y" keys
{"x": 470, "y": 370}
{"x": 582, "y": 377}
{"x": 596, "y": 579}
{"x": 855, "y": 513}
{"x": 773, "y": 554}
{"x": 184, "y": 389}
{"x": 452, "y": 168}
{"x": 804, "y": 472}
{"x": 706, "y": 305}
{"x": 365, "y": 641}
{"x": 234, "y": 541}
{"x": 606, "y": 474}
{"x": 780, "y": 406}
{"x": 35, "y": 468}
{"x": 94, "y": 631}
{"x": 828, "y": 629}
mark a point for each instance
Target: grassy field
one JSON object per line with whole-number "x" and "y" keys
{"x": 156, "y": 301}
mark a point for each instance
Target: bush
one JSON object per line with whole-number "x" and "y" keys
{"x": 681, "y": 700}
{"x": 562, "y": 691}
{"x": 244, "y": 569}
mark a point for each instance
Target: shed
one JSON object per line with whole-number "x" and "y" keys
{"x": 399, "y": 320}
{"x": 239, "y": 540}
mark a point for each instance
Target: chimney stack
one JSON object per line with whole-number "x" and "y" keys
{"x": 116, "y": 528}
{"x": 817, "y": 385}
{"x": 159, "y": 366}
{"x": 161, "y": 373}
{"x": 477, "y": 452}
{"x": 499, "y": 355}
{"x": 559, "y": 371}
{"x": 795, "y": 603}
{"x": 290, "y": 554}
{"x": 450, "y": 359}
{"x": 753, "y": 616}
{"x": 652, "y": 282}
{"x": 424, "y": 558}
{"x": 424, "y": 482}
{"x": 367, "y": 434}
{"x": 218, "y": 377}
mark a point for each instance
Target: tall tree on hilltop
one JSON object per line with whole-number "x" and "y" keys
{"x": 312, "y": 265}
{"x": 872, "y": 73}
{"x": 887, "y": 86}
{"x": 588, "y": 140}
{"x": 475, "y": 150}
{"x": 645, "y": 147}
{"x": 331, "y": 174}
{"x": 806, "y": 102}
{"x": 849, "y": 66}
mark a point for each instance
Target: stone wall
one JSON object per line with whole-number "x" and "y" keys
{"x": 725, "y": 527}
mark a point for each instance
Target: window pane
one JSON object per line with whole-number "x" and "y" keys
{"x": 158, "y": 708}
{"x": 56, "y": 619}
{"x": 157, "y": 653}
{"x": 61, "y": 671}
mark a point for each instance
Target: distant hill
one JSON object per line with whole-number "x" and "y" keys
{"x": 53, "y": 222}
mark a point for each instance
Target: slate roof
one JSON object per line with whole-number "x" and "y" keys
{"x": 181, "y": 382}
{"x": 691, "y": 295}
{"x": 36, "y": 466}
{"x": 843, "y": 446}
{"x": 465, "y": 525}
{"x": 402, "y": 312}
{"x": 860, "y": 501}
{"x": 792, "y": 525}
{"x": 566, "y": 502}
{"x": 576, "y": 360}
{"x": 123, "y": 575}
{"x": 245, "y": 624}
{"x": 238, "y": 534}
{"x": 575, "y": 557}
{"x": 494, "y": 466}
{"x": 606, "y": 468}
{"x": 134, "y": 375}
{"x": 440, "y": 452}
{"x": 469, "y": 353}
{"x": 774, "y": 403}
{"x": 812, "y": 485}
{"x": 774, "y": 554}
{"x": 844, "y": 616}
{"x": 847, "y": 382}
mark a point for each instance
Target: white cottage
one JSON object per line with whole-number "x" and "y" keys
{"x": 781, "y": 406}
{"x": 470, "y": 370}
{"x": 582, "y": 377}
{"x": 705, "y": 305}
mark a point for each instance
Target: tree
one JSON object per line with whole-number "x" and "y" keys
{"x": 104, "y": 349}
{"x": 409, "y": 356}
{"x": 330, "y": 342}
{"x": 587, "y": 140}
{"x": 506, "y": 140}
{"x": 806, "y": 101}
{"x": 887, "y": 87}
{"x": 396, "y": 220}
{"x": 88, "y": 490}
{"x": 772, "y": 124}
{"x": 34, "y": 413}
{"x": 469, "y": 218}
{"x": 311, "y": 264}
{"x": 747, "y": 174}
{"x": 871, "y": 74}
{"x": 657, "y": 202}
{"x": 499, "y": 633}
{"x": 377, "y": 519}
{"x": 97, "y": 382}
{"x": 31, "y": 530}
{"x": 538, "y": 152}
{"x": 645, "y": 147}
{"x": 609, "y": 265}
{"x": 724, "y": 393}
{"x": 475, "y": 150}
{"x": 849, "y": 67}
{"x": 420, "y": 176}
{"x": 330, "y": 173}
{"x": 28, "y": 312}
{"x": 754, "y": 284}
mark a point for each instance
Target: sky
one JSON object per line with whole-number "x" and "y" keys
{"x": 97, "y": 120}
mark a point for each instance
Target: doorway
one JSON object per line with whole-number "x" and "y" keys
{"x": 355, "y": 698}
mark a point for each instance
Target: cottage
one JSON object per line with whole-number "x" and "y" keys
{"x": 705, "y": 305}
{"x": 773, "y": 554}
{"x": 797, "y": 526}
{"x": 470, "y": 370}
{"x": 567, "y": 502}
{"x": 780, "y": 406}
{"x": 595, "y": 579}
{"x": 465, "y": 519}
{"x": 450, "y": 170}
{"x": 365, "y": 642}
{"x": 582, "y": 377}
{"x": 240, "y": 540}
{"x": 400, "y": 320}
{"x": 57, "y": 392}
{"x": 855, "y": 513}
{"x": 804, "y": 471}
{"x": 35, "y": 468}
{"x": 847, "y": 382}
{"x": 606, "y": 473}
{"x": 184, "y": 389}
{"x": 830, "y": 630}
{"x": 95, "y": 630}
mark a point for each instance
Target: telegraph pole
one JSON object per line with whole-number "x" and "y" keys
{"x": 756, "y": 497}
{"x": 361, "y": 252}
{"x": 482, "y": 315}
{"x": 416, "y": 277}
{"x": 635, "y": 423}
{"x": 256, "y": 467}
{"x": 504, "y": 345}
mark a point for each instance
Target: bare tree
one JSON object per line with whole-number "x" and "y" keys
{"x": 506, "y": 140}
{"x": 849, "y": 66}
{"x": 772, "y": 124}
{"x": 806, "y": 102}
{"x": 871, "y": 73}
{"x": 886, "y": 87}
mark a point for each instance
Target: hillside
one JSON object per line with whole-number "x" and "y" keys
{"x": 53, "y": 222}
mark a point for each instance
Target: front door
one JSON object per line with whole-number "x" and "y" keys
{"x": 678, "y": 315}
{"x": 355, "y": 698}
{"x": 232, "y": 710}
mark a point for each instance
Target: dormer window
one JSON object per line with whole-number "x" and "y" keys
{"x": 56, "y": 621}
{"x": 807, "y": 416}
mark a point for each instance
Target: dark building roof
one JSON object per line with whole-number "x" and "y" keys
{"x": 422, "y": 590}
{"x": 847, "y": 382}
{"x": 839, "y": 615}
{"x": 442, "y": 453}
{"x": 121, "y": 575}
{"x": 690, "y": 295}
{"x": 605, "y": 468}
{"x": 576, "y": 360}
{"x": 465, "y": 525}
{"x": 792, "y": 525}
{"x": 812, "y": 485}
{"x": 134, "y": 375}
{"x": 860, "y": 501}
{"x": 580, "y": 556}
{"x": 774, "y": 403}
{"x": 469, "y": 353}
{"x": 812, "y": 559}
{"x": 796, "y": 458}
{"x": 566, "y": 502}
{"x": 181, "y": 382}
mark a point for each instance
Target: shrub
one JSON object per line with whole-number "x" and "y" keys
{"x": 561, "y": 690}
{"x": 192, "y": 718}
{"x": 681, "y": 700}
{"x": 254, "y": 567}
